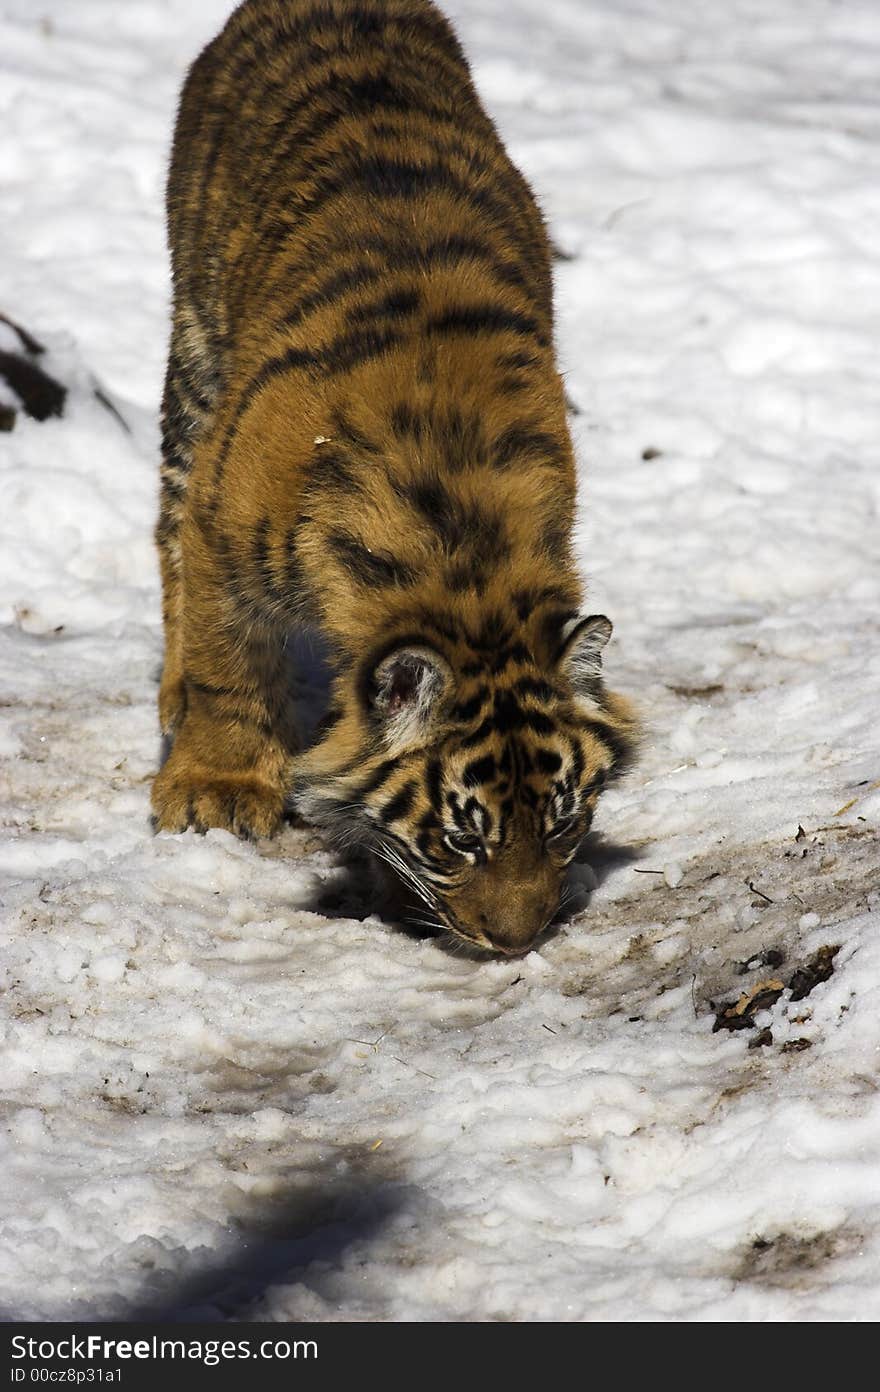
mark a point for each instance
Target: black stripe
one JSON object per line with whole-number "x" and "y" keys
{"x": 552, "y": 625}
{"x": 182, "y": 376}
{"x": 293, "y": 574}
{"x": 482, "y": 732}
{"x": 174, "y": 414}
{"x": 493, "y": 633}
{"x": 401, "y": 257}
{"x": 567, "y": 800}
{"x": 439, "y": 627}
{"x": 465, "y": 711}
{"x": 370, "y": 568}
{"x": 261, "y": 723}
{"x": 517, "y": 652}
{"x": 486, "y": 318}
{"x": 462, "y": 439}
{"x": 406, "y": 420}
{"x": 506, "y": 813}
{"x": 458, "y": 815}
{"x": 616, "y": 744}
{"x": 401, "y": 804}
{"x": 207, "y": 689}
{"x": 423, "y": 842}
{"x": 537, "y": 687}
{"x": 554, "y": 540}
{"x": 547, "y": 760}
{"x": 465, "y": 576}
{"x": 517, "y": 360}
{"x": 537, "y": 721}
{"x": 509, "y": 715}
{"x": 351, "y": 433}
{"x": 262, "y": 562}
{"x": 511, "y": 386}
{"x": 523, "y": 440}
{"x": 329, "y": 469}
{"x": 346, "y": 351}
{"x": 175, "y": 458}
{"x": 380, "y": 775}
{"x": 577, "y": 765}
{"x": 479, "y": 771}
{"x": 329, "y": 290}
{"x": 526, "y": 601}
{"x": 396, "y": 304}
{"x": 327, "y": 722}
{"x": 166, "y": 528}
{"x": 434, "y": 783}
{"x": 172, "y": 488}
{"x": 238, "y": 713}
{"x": 459, "y": 524}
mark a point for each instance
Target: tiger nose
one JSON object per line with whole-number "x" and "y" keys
{"x": 515, "y": 938}
{"x": 507, "y": 949}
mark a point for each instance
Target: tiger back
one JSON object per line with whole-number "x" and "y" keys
{"x": 364, "y": 432}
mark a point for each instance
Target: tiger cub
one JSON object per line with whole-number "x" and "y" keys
{"x": 364, "y": 432}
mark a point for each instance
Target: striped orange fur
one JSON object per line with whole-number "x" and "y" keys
{"x": 364, "y": 432}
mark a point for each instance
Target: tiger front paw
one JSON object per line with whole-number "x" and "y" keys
{"x": 238, "y": 802}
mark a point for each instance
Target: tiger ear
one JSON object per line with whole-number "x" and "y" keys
{"x": 407, "y": 688}
{"x": 580, "y": 657}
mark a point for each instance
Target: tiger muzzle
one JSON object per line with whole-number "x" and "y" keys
{"x": 506, "y": 912}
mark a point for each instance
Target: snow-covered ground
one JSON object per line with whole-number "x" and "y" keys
{"x": 224, "y": 1093}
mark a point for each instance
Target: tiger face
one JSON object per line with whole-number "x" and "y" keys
{"x": 484, "y": 786}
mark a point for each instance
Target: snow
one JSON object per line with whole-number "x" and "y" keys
{"x": 227, "y": 1094}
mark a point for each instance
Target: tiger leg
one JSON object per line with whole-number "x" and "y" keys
{"x": 172, "y": 693}
{"x": 230, "y": 765}
{"x": 186, "y": 414}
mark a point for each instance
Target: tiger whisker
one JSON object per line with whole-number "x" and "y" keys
{"x": 407, "y": 874}
{"x": 417, "y": 921}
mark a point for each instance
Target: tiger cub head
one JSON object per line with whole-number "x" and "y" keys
{"x": 475, "y": 781}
